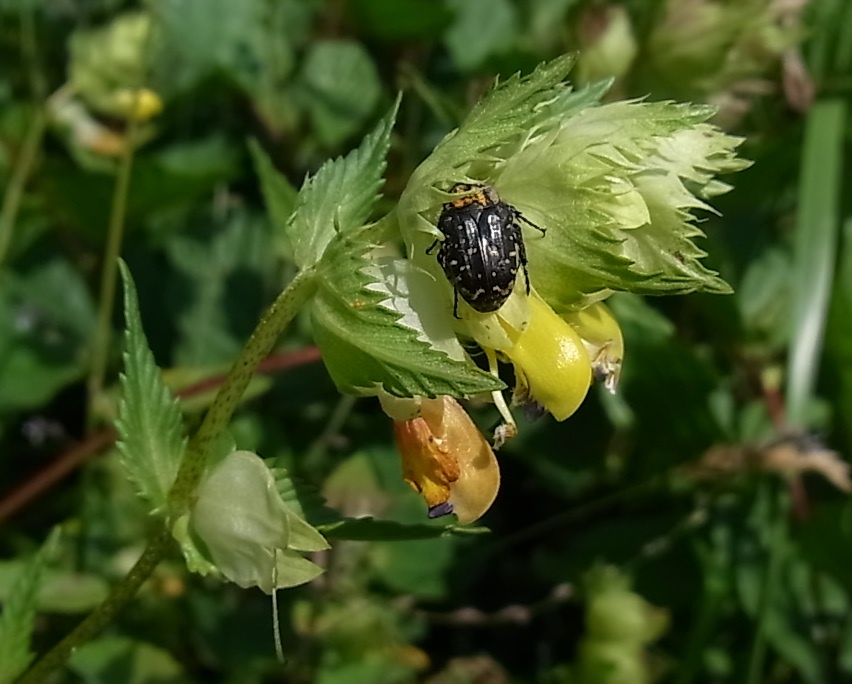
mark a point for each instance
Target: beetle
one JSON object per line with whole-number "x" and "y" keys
{"x": 482, "y": 247}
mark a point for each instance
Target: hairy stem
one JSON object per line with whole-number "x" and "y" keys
{"x": 267, "y": 332}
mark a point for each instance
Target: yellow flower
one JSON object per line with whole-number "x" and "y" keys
{"x": 447, "y": 460}
{"x": 141, "y": 104}
{"x": 552, "y": 365}
{"x": 602, "y": 338}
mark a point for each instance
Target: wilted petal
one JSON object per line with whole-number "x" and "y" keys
{"x": 447, "y": 460}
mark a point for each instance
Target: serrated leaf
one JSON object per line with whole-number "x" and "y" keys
{"x": 18, "y": 616}
{"x": 340, "y": 196}
{"x": 367, "y": 344}
{"x": 278, "y": 193}
{"x": 151, "y": 440}
{"x": 302, "y": 498}
{"x": 369, "y": 529}
{"x": 504, "y": 114}
{"x": 616, "y": 187}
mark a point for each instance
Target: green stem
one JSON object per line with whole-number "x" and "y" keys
{"x": 267, "y": 332}
{"x": 103, "y": 614}
{"x": 115, "y": 236}
{"x": 18, "y": 181}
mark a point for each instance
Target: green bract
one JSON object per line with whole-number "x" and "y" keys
{"x": 247, "y": 531}
{"x": 614, "y": 185}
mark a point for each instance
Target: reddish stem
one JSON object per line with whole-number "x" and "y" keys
{"x": 72, "y": 458}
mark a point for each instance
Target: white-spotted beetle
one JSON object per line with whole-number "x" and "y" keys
{"x": 483, "y": 247}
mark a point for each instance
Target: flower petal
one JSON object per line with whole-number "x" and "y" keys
{"x": 551, "y": 363}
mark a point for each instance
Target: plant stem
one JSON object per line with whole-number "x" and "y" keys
{"x": 267, "y": 332}
{"x": 106, "y": 301}
{"x": 103, "y": 614}
{"x": 32, "y": 140}
{"x": 18, "y": 181}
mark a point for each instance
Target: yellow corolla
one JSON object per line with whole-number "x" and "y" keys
{"x": 552, "y": 365}
{"x": 446, "y": 459}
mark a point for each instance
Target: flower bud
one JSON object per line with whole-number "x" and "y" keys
{"x": 246, "y": 527}
{"x": 607, "y": 44}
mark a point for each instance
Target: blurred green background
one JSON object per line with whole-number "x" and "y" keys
{"x": 694, "y": 528}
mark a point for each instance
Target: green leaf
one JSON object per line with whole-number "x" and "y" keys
{"x": 369, "y": 529}
{"x": 151, "y": 440}
{"x": 506, "y": 113}
{"x": 278, "y": 193}
{"x": 120, "y": 659}
{"x": 341, "y": 195}
{"x": 616, "y": 186}
{"x": 341, "y": 88}
{"x": 61, "y": 591}
{"x": 294, "y": 570}
{"x": 821, "y": 193}
{"x": 18, "y": 617}
{"x": 46, "y": 318}
{"x": 481, "y": 28}
{"x": 226, "y": 264}
{"x": 370, "y": 341}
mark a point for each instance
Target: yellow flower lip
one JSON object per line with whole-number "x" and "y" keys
{"x": 447, "y": 460}
{"x": 552, "y": 366}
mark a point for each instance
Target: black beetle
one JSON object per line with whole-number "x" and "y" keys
{"x": 483, "y": 247}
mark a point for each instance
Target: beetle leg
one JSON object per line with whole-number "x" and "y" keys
{"x": 432, "y": 246}
{"x": 456, "y": 303}
{"x": 527, "y": 277}
{"x": 519, "y": 215}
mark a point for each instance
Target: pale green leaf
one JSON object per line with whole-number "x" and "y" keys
{"x": 340, "y": 196}
{"x": 368, "y": 344}
{"x": 151, "y": 440}
{"x": 294, "y": 570}
{"x": 18, "y": 616}
{"x": 303, "y": 535}
{"x": 617, "y": 187}
{"x": 505, "y": 114}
